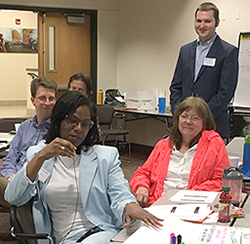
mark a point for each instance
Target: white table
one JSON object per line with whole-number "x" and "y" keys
{"x": 244, "y": 222}
{"x": 5, "y": 140}
{"x": 133, "y": 114}
{"x": 126, "y": 232}
{"x": 164, "y": 200}
{"x": 6, "y": 137}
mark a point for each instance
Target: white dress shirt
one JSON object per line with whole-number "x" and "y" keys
{"x": 201, "y": 52}
{"x": 179, "y": 169}
{"x": 63, "y": 198}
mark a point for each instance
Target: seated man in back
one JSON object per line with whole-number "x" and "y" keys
{"x": 81, "y": 82}
{"x": 31, "y": 131}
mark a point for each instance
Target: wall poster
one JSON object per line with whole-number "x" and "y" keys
{"x": 18, "y": 40}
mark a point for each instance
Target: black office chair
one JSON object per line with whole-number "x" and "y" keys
{"x": 21, "y": 231}
{"x": 110, "y": 136}
{"x": 5, "y": 233}
{"x": 8, "y": 124}
{"x": 21, "y": 236}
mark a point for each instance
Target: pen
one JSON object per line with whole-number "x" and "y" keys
{"x": 179, "y": 239}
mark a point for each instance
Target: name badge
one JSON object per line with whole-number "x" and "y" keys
{"x": 209, "y": 62}
{"x": 43, "y": 175}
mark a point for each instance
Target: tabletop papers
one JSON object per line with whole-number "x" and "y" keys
{"x": 196, "y": 213}
{"x": 188, "y": 196}
{"x": 191, "y": 233}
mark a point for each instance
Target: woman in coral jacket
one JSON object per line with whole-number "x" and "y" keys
{"x": 192, "y": 157}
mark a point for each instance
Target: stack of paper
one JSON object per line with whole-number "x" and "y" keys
{"x": 187, "y": 196}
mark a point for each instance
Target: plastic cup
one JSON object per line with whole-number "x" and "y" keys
{"x": 17, "y": 127}
{"x": 234, "y": 161}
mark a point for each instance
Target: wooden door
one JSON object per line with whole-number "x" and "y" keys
{"x": 72, "y": 47}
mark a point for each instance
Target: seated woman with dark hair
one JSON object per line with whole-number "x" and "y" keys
{"x": 76, "y": 185}
{"x": 192, "y": 157}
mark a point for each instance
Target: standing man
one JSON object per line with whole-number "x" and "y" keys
{"x": 207, "y": 67}
{"x": 31, "y": 131}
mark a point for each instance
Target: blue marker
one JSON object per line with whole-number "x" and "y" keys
{"x": 174, "y": 240}
{"x": 171, "y": 236}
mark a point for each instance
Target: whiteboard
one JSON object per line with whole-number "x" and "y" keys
{"x": 242, "y": 93}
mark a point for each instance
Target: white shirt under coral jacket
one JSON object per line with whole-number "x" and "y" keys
{"x": 104, "y": 190}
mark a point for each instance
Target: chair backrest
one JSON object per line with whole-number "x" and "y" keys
{"x": 21, "y": 219}
{"x": 105, "y": 114}
{"x": 23, "y": 228}
{"x": 8, "y": 124}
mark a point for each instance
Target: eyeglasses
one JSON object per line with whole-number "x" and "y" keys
{"x": 86, "y": 124}
{"x": 185, "y": 117}
{"x": 45, "y": 99}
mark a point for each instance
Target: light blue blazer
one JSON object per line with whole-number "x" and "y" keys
{"x": 104, "y": 190}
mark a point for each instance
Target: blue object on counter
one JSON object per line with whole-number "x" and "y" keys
{"x": 246, "y": 161}
{"x": 162, "y": 105}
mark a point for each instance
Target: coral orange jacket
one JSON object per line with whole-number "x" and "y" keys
{"x": 206, "y": 170}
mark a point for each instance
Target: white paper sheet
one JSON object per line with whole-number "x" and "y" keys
{"x": 188, "y": 196}
{"x": 188, "y": 212}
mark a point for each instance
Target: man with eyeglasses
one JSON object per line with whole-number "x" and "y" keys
{"x": 31, "y": 132}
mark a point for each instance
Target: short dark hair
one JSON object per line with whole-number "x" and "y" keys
{"x": 42, "y": 81}
{"x": 209, "y": 6}
{"x": 67, "y": 105}
{"x": 84, "y": 78}
{"x": 202, "y": 110}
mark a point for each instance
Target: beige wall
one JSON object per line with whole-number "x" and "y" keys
{"x": 13, "y": 91}
{"x": 107, "y": 49}
{"x": 152, "y": 32}
{"x": 84, "y": 4}
{"x": 13, "y": 65}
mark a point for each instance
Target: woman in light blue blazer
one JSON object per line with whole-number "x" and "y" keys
{"x": 79, "y": 191}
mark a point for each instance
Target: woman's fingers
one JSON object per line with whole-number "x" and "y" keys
{"x": 142, "y": 196}
{"x": 61, "y": 147}
{"x": 134, "y": 211}
{"x": 153, "y": 220}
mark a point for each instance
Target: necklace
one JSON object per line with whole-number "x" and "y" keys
{"x": 68, "y": 162}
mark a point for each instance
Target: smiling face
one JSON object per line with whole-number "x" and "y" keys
{"x": 44, "y": 102}
{"x": 190, "y": 125}
{"x": 205, "y": 25}
{"x": 78, "y": 85}
{"x": 73, "y": 131}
